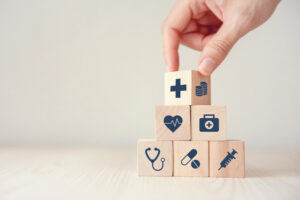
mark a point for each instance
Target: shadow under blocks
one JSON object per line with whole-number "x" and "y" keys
{"x": 190, "y": 134}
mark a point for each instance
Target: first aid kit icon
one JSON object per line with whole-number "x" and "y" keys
{"x": 209, "y": 123}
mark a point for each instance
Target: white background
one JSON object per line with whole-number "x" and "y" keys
{"x": 90, "y": 73}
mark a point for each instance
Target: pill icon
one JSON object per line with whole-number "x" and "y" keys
{"x": 188, "y": 157}
{"x": 195, "y": 164}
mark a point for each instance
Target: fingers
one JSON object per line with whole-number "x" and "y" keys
{"x": 209, "y": 19}
{"x": 170, "y": 46}
{"x": 174, "y": 25}
{"x": 191, "y": 27}
{"x": 216, "y": 50}
{"x": 195, "y": 41}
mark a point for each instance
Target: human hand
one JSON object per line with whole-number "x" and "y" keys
{"x": 211, "y": 26}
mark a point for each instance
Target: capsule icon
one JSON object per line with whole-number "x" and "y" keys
{"x": 188, "y": 157}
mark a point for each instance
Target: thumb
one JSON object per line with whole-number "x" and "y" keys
{"x": 216, "y": 50}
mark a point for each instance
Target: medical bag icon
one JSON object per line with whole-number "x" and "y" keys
{"x": 209, "y": 123}
{"x": 201, "y": 90}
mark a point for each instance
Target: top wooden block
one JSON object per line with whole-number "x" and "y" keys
{"x": 187, "y": 88}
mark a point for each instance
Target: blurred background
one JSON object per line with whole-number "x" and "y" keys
{"x": 90, "y": 72}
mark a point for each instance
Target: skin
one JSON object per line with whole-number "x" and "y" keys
{"x": 212, "y": 27}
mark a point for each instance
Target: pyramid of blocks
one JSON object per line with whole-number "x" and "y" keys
{"x": 190, "y": 134}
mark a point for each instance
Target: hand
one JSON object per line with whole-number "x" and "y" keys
{"x": 211, "y": 26}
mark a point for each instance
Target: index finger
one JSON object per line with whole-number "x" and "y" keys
{"x": 174, "y": 25}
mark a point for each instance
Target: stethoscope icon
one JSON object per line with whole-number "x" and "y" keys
{"x": 153, "y": 160}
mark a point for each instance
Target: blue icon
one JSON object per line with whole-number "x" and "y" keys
{"x": 155, "y": 158}
{"x": 177, "y": 88}
{"x": 173, "y": 123}
{"x": 227, "y": 159}
{"x": 209, "y": 123}
{"x": 195, "y": 164}
{"x": 189, "y": 157}
{"x": 201, "y": 90}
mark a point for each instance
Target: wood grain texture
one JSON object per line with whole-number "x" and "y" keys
{"x": 162, "y": 132}
{"x": 191, "y": 79}
{"x": 218, "y": 150}
{"x": 198, "y": 111}
{"x": 165, "y": 166}
{"x": 110, "y": 172}
{"x": 183, "y": 162}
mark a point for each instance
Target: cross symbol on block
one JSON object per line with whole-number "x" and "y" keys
{"x": 209, "y": 124}
{"x": 177, "y": 88}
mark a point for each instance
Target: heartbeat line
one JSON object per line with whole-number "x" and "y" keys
{"x": 174, "y": 123}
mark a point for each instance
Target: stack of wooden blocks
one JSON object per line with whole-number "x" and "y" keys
{"x": 190, "y": 134}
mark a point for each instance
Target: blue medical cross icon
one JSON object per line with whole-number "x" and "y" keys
{"x": 177, "y": 88}
{"x": 209, "y": 124}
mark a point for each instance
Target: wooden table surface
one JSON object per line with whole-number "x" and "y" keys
{"x": 44, "y": 173}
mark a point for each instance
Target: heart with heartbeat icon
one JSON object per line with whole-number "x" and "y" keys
{"x": 173, "y": 123}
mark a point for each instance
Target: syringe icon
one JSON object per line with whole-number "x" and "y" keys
{"x": 227, "y": 159}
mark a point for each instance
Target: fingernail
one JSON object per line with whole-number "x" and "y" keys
{"x": 173, "y": 69}
{"x": 207, "y": 66}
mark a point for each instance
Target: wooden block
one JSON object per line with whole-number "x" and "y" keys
{"x": 191, "y": 158}
{"x": 187, "y": 88}
{"x": 155, "y": 158}
{"x": 172, "y": 123}
{"x": 208, "y": 122}
{"x": 227, "y": 159}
